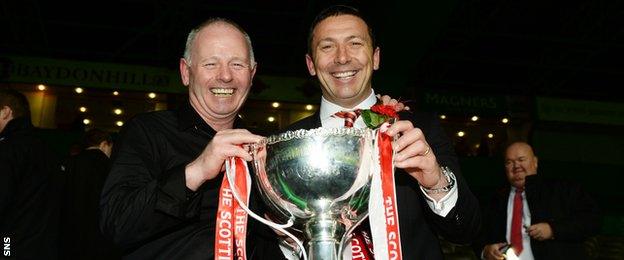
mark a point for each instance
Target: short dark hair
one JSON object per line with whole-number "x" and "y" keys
{"x": 96, "y": 136}
{"x": 16, "y": 101}
{"x": 337, "y": 10}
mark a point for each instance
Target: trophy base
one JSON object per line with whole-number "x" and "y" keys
{"x": 324, "y": 235}
{"x": 323, "y": 250}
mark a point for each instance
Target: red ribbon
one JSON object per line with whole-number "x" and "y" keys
{"x": 361, "y": 237}
{"x": 231, "y": 228}
{"x": 361, "y": 244}
{"x": 389, "y": 196}
{"x": 359, "y": 248}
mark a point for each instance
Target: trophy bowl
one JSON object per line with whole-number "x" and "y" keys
{"x": 318, "y": 178}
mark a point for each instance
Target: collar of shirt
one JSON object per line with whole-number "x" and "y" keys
{"x": 188, "y": 117}
{"x": 328, "y": 109}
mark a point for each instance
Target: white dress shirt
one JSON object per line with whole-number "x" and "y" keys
{"x": 328, "y": 120}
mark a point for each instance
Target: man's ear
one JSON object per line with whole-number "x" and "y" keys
{"x": 106, "y": 147}
{"x": 310, "y": 63}
{"x": 6, "y": 113}
{"x": 184, "y": 72}
{"x": 535, "y": 157}
{"x": 253, "y": 71}
{"x": 376, "y": 60}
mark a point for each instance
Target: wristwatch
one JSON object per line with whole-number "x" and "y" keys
{"x": 450, "y": 178}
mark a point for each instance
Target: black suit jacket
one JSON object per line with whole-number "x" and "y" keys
{"x": 569, "y": 210}
{"x": 418, "y": 223}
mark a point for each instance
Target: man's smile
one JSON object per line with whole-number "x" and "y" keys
{"x": 344, "y": 75}
{"x": 222, "y": 92}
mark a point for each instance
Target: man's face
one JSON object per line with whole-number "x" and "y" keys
{"x": 219, "y": 74}
{"x": 519, "y": 163}
{"x": 343, "y": 59}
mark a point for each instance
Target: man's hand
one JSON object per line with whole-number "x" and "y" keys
{"x": 210, "y": 162}
{"x": 491, "y": 251}
{"x": 540, "y": 231}
{"x": 387, "y": 100}
{"x": 414, "y": 154}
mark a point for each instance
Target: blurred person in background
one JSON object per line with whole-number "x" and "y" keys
{"x": 85, "y": 174}
{"x": 30, "y": 183}
{"x": 536, "y": 217}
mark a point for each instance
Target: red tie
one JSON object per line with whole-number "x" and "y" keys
{"x": 516, "y": 223}
{"x": 349, "y": 117}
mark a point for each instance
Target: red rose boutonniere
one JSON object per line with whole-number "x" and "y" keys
{"x": 378, "y": 114}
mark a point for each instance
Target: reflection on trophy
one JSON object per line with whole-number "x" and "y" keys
{"x": 320, "y": 180}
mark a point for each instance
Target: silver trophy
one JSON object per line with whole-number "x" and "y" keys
{"x": 319, "y": 181}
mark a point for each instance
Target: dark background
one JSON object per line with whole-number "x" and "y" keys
{"x": 549, "y": 48}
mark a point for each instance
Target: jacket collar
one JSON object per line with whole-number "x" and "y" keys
{"x": 189, "y": 118}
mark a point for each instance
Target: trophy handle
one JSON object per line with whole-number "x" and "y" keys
{"x": 278, "y": 227}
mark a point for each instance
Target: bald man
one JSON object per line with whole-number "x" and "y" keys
{"x": 535, "y": 217}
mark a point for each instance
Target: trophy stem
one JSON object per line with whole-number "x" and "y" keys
{"x": 324, "y": 235}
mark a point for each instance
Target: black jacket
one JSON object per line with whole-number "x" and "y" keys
{"x": 146, "y": 207}
{"x": 81, "y": 238}
{"x": 30, "y": 179}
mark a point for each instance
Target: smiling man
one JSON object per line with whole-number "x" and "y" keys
{"x": 160, "y": 199}
{"x": 343, "y": 60}
{"x": 539, "y": 218}
{"x": 433, "y": 199}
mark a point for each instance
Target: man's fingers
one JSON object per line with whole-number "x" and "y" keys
{"x": 415, "y": 148}
{"x": 492, "y": 251}
{"x": 408, "y": 139}
{"x": 385, "y": 99}
{"x": 225, "y": 151}
{"x": 412, "y": 162}
{"x": 399, "y": 107}
{"x": 411, "y": 137}
{"x": 399, "y": 127}
{"x": 536, "y": 234}
{"x": 532, "y": 230}
{"x": 237, "y": 137}
{"x": 242, "y": 153}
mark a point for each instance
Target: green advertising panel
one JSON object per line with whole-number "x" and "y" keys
{"x": 580, "y": 111}
{"x": 89, "y": 74}
{"x": 464, "y": 102}
{"x": 70, "y": 73}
